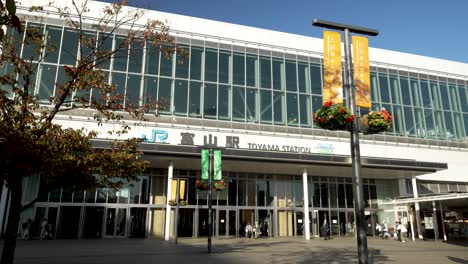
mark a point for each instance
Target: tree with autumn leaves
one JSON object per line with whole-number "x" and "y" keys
{"x": 31, "y": 142}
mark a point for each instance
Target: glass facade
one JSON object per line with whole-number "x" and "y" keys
{"x": 233, "y": 83}
{"x": 248, "y": 197}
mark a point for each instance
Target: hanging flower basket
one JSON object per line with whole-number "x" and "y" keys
{"x": 219, "y": 185}
{"x": 333, "y": 117}
{"x": 174, "y": 203}
{"x": 202, "y": 185}
{"x": 376, "y": 122}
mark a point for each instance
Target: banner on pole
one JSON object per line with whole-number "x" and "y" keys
{"x": 361, "y": 71}
{"x": 332, "y": 76}
{"x": 217, "y": 165}
{"x": 205, "y": 163}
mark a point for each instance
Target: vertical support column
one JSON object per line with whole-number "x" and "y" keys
{"x": 3, "y": 207}
{"x": 442, "y": 219}
{"x": 167, "y": 229}
{"x": 434, "y": 220}
{"x": 306, "y": 205}
{"x": 411, "y": 217}
{"x": 416, "y": 208}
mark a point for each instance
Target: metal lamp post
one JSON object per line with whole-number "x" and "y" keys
{"x": 355, "y": 150}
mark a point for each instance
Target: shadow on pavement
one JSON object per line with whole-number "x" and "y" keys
{"x": 458, "y": 260}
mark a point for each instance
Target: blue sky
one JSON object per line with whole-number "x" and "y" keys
{"x": 432, "y": 28}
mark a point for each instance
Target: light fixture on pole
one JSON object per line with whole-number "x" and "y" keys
{"x": 354, "y": 139}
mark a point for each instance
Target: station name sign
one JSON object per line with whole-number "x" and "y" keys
{"x": 251, "y": 142}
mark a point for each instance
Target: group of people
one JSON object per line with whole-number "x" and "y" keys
{"x": 256, "y": 230}
{"x": 45, "y": 230}
{"x": 400, "y": 231}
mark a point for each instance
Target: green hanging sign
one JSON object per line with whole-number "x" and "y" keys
{"x": 217, "y": 165}
{"x": 205, "y": 164}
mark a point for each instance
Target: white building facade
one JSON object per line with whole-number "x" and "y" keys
{"x": 252, "y": 92}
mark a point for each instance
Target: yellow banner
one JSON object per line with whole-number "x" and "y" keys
{"x": 361, "y": 71}
{"x": 181, "y": 190}
{"x": 332, "y": 82}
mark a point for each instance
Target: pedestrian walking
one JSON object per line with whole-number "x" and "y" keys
{"x": 44, "y": 233}
{"x": 325, "y": 229}
{"x": 403, "y": 232}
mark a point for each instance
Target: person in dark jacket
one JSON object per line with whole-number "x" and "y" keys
{"x": 325, "y": 229}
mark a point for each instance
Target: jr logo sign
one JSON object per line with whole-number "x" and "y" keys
{"x": 156, "y": 136}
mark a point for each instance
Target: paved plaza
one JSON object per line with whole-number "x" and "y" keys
{"x": 239, "y": 250}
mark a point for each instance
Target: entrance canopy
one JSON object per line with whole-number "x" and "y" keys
{"x": 257, "y": 161}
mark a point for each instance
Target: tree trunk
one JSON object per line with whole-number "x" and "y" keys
{"x": 9, "y": 243}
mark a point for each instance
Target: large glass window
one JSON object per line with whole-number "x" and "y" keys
{"x": 238, "y": 103}
{"x": 291, "y": 78}
{"x": 182, "y": 64}
{"x": 278, "y": 65}
{"x": 118, "y": 80}
{"x": 463, "y": 92}
{"x": 211, "y": 65}
{"x": 430, "y": 126}
{"x": 465, "y": 119}
{"x": 68, "y": 55}
{"x": 341, "y": 196}
{"x": 232, "y": 191}
{"x": 121, "y": 54}
{"x": 133, "y": 90}
{"x": 224, "y": 61}
{"x": 398, "y": 120}
{"x": 261, "y": 190}
{"x": 405, "y": 91}
{"x": 445, "y": 96}
{"x": 384, "y": 91}
{"x": 53, "y": 37}
{"x": 305, "y": 108}
{"x": 409, "y": 121}
{"x": 166, "y": 63}
{"x": 150, "y": 89}
{"x": 316, "y": 78}
{"x": 458, "y": 124}
{"x": 302, "y": 74}
{"x": 164, "y": 93}
{"x": 180, "y": 97}
{"x": 210, "y": 102}
{"x": 293, "y": 117}
{"x": 265, "y": 106}
{"x": 439, "y": 122}
{"x": 224, "y": 102}
{"x": 395, "y": 88}
{"x": 238, "y": 69}
{"x": 419, "y": 118}
{"x": 196, "y": 54}
{"x": 333, "y": 195}
{"x": 450, "y": 129}
{"x": 152, "y": 59}
{"x": 455, "y": 97}
{"x": 251, "y": 104}
{"x": 194, "y": 99}
{"x": 241, "y": 192}
{"x": 435, "y": 96}
{"x": 374, "y": 87}
{"x": 31, "y": 49}
{"x": 278, "y": 108}
{"x": 415, "y": 92}
{"x": 426, "y": 94}
{"x": 136, "y": 56}
{"x": 46, "y": 82}
{"x": 324, "y": 194}
{"x": 265, "y": 72}
{"x": 252, "y": 70}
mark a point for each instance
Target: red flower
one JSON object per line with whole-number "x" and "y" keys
{"x": 313, "y": 116}
{"x": 328, "y": 104}
{"x": 343, "y": 111}
{"x": 349, "y": 119}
